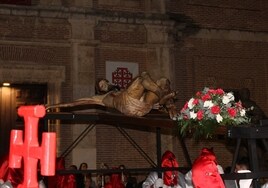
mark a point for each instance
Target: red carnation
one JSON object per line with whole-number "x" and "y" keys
{"x": 219, "y": 91}
{"x": 206, "y": 97}
{"x": 200, "y": 115}
{"x": 239, "y": 104}
{"x": 195, "y": 102}
{"x": 231, "y": 112}
{"x": 185, "y": 106}
{"x": 198, "y": 94}
{"x": 215, "y": 109}
{"x": 212, "y": 91}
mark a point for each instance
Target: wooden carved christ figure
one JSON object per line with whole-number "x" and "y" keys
{"x": 143, "y": 95}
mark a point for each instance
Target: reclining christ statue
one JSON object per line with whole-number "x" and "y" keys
{"x": 143, "y": 95}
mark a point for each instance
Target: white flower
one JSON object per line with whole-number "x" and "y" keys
{"x": 243, "y": 112}
{"x": 219, "y": 118}
{"x": 193, "y": 115}
{"x": 231, "y": 96}
{"x": 208, "y": 104}
{"x": 191, "y": 104}
{"x": 227, "y": 98}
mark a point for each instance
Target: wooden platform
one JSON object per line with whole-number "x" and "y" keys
{"x": 154, "y": 121}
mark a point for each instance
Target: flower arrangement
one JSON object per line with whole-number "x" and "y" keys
{"x": 208, "y": 110}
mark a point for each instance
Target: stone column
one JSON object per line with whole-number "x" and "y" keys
{"x": 83, "y": 70}
{"x": 83, "y": 66}
{"x": 83, "y": 79}
{"x": 161, "y": 43}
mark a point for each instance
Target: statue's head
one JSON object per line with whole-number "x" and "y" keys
{"x": 103, "y": 86}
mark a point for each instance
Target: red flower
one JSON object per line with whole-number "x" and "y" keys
{"x": 215, "y": 109}
{"x": 198, "y": 94}
{"x": 212, "y": 91}
{"x": 185, "y": 117}
{"x": 200, "y": 114}
{"x": 195, "y": 102}
{"x": 239, "y": 105}
{"x": 206, "y": 97}
{"x": 219, "y": 92}
{"x": 231, "y": 112}
{"x": 185, "y": 106}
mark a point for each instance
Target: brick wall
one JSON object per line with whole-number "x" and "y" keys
{"x": 238, "y": 15}
{"x": 34, "y": 28}
{"x": 216, "y": 63}
{"x": 114, "y": 149}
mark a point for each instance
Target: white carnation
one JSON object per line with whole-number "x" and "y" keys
{"x": 227, "y": 98}
{"x": 208, "y": 104}
{"x": 193, "y": 115}
{"x": 243, "y": 112}
{"x": 219, "y": 118}
{"x": 190, "y": 103}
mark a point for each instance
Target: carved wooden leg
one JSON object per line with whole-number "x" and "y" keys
{"x": 150, "y": 85}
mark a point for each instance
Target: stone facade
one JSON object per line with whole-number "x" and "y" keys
{"x": 65, "y": 43}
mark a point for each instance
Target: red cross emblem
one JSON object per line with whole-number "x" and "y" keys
{"x": 122, "y": 77}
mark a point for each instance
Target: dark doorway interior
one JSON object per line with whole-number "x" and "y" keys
{"x": 11, "y": 98}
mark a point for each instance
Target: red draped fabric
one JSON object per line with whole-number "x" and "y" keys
{"x": 61, "y": 181}
{"x": 71, "y": 181}
{"x": 205, "y": 172}
{"x": 169, "y": 160}
{"x": 15, "y": 176}
{"x": 115, "y": 182}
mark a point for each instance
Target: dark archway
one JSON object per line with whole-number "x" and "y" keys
{"x": 11, "y": 98}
